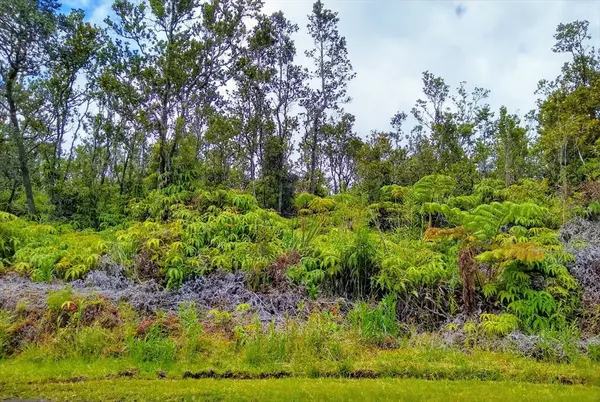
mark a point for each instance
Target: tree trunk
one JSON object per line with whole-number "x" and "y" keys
{"x": 320, "y": 113}
{"x": 565, "y": 187}
{"x": 313, "y": 158}
{"x": 18, "y": 138}
{"x": 467, "y": 268}
{"x": 125, "y": 165}
{"x": 12, "y": 196}
{"x": 507, "y": 176}
{"x": 280, "y": 197}
{"x": 281, "y": 174}
{"x": 162, "y": 134}
{"x": 252, "y": 173}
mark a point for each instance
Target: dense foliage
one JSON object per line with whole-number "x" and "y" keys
{"x": 433, "y": 259}
{"x": 120, "y": 141}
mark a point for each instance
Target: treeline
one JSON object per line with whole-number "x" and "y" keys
{"x": 210, "y": 93}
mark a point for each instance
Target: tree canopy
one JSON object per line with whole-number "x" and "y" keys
{"x": 211, "y": 93}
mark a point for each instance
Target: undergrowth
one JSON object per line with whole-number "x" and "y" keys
{"x": 493, "y": 254}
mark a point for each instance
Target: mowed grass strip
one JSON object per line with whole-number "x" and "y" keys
{"x": 295, "y": 389}
{"x": 417, "y": 363}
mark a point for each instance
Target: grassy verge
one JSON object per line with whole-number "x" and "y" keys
{"x": 410, "y": 362}
{"x": 298, "y": 390}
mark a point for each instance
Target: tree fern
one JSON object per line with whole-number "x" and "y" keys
{"x": 526, "y": 252}
{"x": 433, "y": 188}
{"x": 303, "y": 200}
{"x": 464, "y": 202}
{"x": 393, "y": 193}
{"x": 319, "y": 204}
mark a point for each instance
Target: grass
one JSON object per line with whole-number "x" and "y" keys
{"x": 298, "y": 390}
{"x": 409, "y": 362}
{"x": 180, "y": 360}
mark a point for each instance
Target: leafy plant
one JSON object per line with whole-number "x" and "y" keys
{"x": 499, "y": 325}
{"x": 376, "y": 324}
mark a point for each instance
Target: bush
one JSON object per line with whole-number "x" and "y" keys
{"x": 499, "y": 325}
{"x": 303, "y": 200}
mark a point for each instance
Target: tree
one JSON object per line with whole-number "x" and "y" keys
{"x": 568, "y": 116}
{"x": 340, "y": 150}
{"x": 570, "y": 38}
{"x": 332, "y": 71}
{"x": 511, "y": 148}
{"x": 374, "y": 165}
{"x": 452, "y": 130}
{"x": 26, "y": 30}
{"x": 223, "y": 153}
{"x": 452, "y": 126}
{"x": 286, "y": 86}
{"x": 181, "y": 50}
{"x": 250, "y": 102}
{"x": 79, "y": 43}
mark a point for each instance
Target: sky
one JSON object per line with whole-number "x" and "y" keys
{"x": 501, "y": 45}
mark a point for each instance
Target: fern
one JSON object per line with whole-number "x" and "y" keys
{"x": 394, "y": 193}
{"x": 499, "y": 325}
{"x": 523, "y": 252}
{"x": 486, "y": 188}
{"x": 593, "y": 209}
{"x": 303, "y": 200}
{"x": 464, "y": 202}
{"x": 432, "y": 188}
{"x": 319, "y": 204}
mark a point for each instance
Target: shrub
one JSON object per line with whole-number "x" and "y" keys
{"x": 320, "y": 205}
{"x": 499, "y": 325}
{"x": 303, "y": 200}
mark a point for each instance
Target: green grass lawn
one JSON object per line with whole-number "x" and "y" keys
{"x": 298, "y": 389}
{"x": 411, "y": 373}
{"x": 410, "y": 362}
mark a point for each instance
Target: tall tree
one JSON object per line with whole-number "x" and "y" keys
{"x": 177, "y": 51}
{"x": 340, "y": 151}
{"x": 451, "y": 127}
{"x": 375, "y": 164}
{"x": 511, "y": 145}
{"x": 250, "y": 102}
{"x": 583, "y": 68}
{"x": 26, "y": 30}
{"x": 70, "y": 58}
{"x": 568, "y": 116}
{"x": 287, "y": 84}
{"x": 332, "y": 72}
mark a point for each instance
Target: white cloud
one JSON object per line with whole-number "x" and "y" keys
{"x": 101, "y": 11}
{"x": 504, "y": 46}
